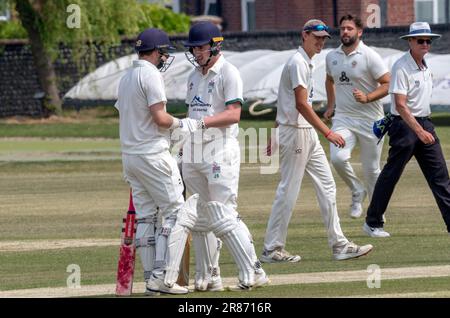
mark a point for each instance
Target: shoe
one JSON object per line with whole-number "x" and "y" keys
{"x": 356, "y": 206}
{"x": 261, "y": 279}
{"x": 279, "y": 255}
{"x": 157, "y": 285}
{"x": 375, "y": 231}
{"x": 350, "y": 250}
{"x": 214, "y": 285}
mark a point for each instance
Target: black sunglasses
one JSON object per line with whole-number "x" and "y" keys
{"x": 422, "y": 41}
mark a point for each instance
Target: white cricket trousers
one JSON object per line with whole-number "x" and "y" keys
{"x": 300, "y": 151}
{"x": 155, "y": 182}
{"x": 354, "y": 131}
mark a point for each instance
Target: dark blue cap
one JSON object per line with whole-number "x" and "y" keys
{"x": 203, "y": 33}
{"x": 150, "y": 39}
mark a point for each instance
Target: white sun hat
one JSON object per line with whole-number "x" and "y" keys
{"x": 420, "y": 29}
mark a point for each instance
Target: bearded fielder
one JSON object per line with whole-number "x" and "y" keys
{"x": 211, "y": 161}
{"x": 357, "y": 78}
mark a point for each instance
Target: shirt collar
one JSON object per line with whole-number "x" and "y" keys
{"x": 216, "y": 67}
{"x": 357, "y": 50}
{"x": 302, "y": 51}
{"x": 412, "y": 63}
{"x": 142, "y": 63}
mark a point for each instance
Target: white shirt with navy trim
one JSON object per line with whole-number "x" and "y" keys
{"x": 417, "y": 84}
{"x": 360, "y": 69}
{"x": 142, "y": 86}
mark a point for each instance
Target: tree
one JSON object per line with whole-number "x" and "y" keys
{"x": 81, "y": 25}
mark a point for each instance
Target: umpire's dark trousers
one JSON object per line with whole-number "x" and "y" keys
{"x": 404, "y": 144}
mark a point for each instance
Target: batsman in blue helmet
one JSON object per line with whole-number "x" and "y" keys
{"x": 149, "y": 168}
{"x": 211, "y": 163}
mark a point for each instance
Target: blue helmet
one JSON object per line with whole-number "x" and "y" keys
{"x": 155, "y": 39}
{"x": 151, "y": 39}
{"x": 203, "y": 33}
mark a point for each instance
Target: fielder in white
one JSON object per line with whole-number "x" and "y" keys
{"x": 211, "y": 162}
{"x": 357, "y": 78}
{"x": 301, "y": 151}
{"x": 150, "y": 169}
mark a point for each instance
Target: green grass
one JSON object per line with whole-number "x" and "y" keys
{"x": 67, "y": 200}
{"x": 55, "y": 200}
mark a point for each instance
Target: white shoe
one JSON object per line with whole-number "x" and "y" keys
{"x": 356, "y": 206}
{"x": 157, "y": 285}
{"x": 214, "y": 285}
{"x": 375, "y": 231}
{"x": 350, "y": 250}
{"x": 261, "y": 279}
{"x": 279, "y": 255}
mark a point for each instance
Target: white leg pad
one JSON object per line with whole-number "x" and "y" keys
{"x": 207, "y": 251}
{"x": 145, "y": 244}
{"x": 226, "y": 226}
{"x": 186, "y": 218}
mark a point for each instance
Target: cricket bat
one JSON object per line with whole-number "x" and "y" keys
{"x": 127, "y": 256}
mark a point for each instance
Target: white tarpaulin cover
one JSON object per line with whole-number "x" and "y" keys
{"x": 260, "y": 71}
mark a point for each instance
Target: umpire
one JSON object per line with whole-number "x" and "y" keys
{"x": 412, "y": 132}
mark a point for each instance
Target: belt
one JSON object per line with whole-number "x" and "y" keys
{"x": 416, "y": 117}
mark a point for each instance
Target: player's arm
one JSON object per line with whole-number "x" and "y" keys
{"x": 301, "y": 103}
{"x": 379, "y": 92}
{"x": 160, "y": 116}
{"x": 230, "y": 116}
{"x": 405, "y": 113}
{"x": 331, "y": 97}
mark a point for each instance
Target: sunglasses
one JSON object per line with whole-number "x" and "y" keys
{"x": 422, "y": 41}
{"x": 319, "y": 27}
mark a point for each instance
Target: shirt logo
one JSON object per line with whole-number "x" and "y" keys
{"x": 211, "y": 86}
{"x": 417, "y": 83}
{"x": 191, "y": 85}
{"x": 334, "y": 62}
{"x": 354, "y": 64}
{"x": 344, "y": 77}
{"x": 198, "y": 105}
{"x": 215, "y": 170}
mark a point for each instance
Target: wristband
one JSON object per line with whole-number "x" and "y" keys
{"x": 328, "y": 133}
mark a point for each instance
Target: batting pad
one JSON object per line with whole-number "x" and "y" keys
{"x": 207, "y": 250}
{"x": 226, "y": 226}
{"x": 145, "y": 243}
{"x": 176, "y": 242}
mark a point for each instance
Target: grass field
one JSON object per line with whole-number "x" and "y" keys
{"x": 84, "y": 197}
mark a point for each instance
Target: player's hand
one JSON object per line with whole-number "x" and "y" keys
{"x": 426, "y": 137}
{"x": 360, "y": 97}
{"x": 336, "y": 139}
{"x": 271, "y": 146}
{"x": 189, "y": 125}
{"x": 328, "y": 113}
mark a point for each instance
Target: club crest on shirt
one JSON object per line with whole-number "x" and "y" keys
{"x": 191, "y": 85}
{"x": 417, "y": 83}
{"x": 334, "y": 62}
{"x": 216, "y": 170}
{"x": 211, "y": 86}
{"x": 354, "y": 64}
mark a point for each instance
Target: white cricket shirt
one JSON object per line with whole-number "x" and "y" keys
{"x": 211, "y": 93}
{"x": 297, "y": 71}
{"x": 360, "y": 69}
{"x": 408, "y": 79}
{"x": 141, "y": 87}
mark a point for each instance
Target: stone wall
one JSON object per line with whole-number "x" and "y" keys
{"x": 21, "y": 94}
